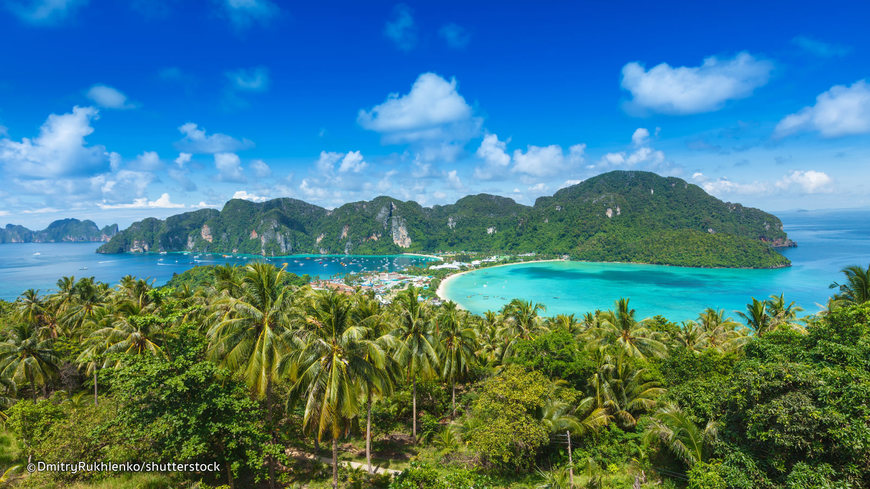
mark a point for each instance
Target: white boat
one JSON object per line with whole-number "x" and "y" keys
{"x": 36, "y": 253}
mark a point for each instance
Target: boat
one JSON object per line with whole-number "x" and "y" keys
{"x": 36, "y": 253}
{"x": 83, "y": 268}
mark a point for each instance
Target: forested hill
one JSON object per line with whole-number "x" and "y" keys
{"x": 617, "y": 216}
{"x": 64, "y": 230}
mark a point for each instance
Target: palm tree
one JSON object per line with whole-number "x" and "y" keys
{"x": 625, "y": 390}
{"x": 335, "y": 360}
{"x": 676, "y": 431}
{"x": 369, "y": 314}
{"x": 756, "y": 318}
{"x": 721, "y": 332}
{"x": 128, "y": 330}
{"x": 521, "y": 321}
{"x": 558, "y": 417}
{"x": 250, "y": 328}
{"x": 415, "y": 343}
{"x": 25, "y": 357}
{"x": 87, "y": 297}
{"x": 457, "y": 346}
{"x": 621, "y": 328}
{"x": 691, "y": 337}
{"x": 856, "y": 289}
{"x": 782, "y": 314}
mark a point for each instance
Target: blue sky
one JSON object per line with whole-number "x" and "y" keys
{"x": 119, "y": 110}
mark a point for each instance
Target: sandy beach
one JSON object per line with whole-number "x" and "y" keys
{"x": 442, "y": 287}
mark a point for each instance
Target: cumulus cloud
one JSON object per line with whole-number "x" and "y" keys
{"x": 800, "y": 181}
{"x": 820, "y": 48}
{"x": 456, "y": 36}
{"x": 352, "y": 162}
{"x": 495, "y": 158}
{"x": 183, "y": 159}
{"x": 401, "y": 28}
{"x": 43, "y": 12}
{"x": 692, "y": 90}
{"x": 196, "y": 140}
{"x": 641, "y": 153}
{"x": 59, "y": 149}
{"x": 250, "y": 79}
{"x": 108, "y": 97}
{"x": 245, "y": 13}
{"x": 229, "y": 167}
{"x": 723, "y": 186}
{"x": 545, "y": 161}
{"x": 244, "y": 195}
{"x": 432, "y": 111}
{"x": 162, "y": 202}
{"x": 809, "y": 181}
{"x": 261, "y": 169}
{"x": 840, "y": 111}
{"x": 116, "y": 187}
{"x": 147, "y": 161}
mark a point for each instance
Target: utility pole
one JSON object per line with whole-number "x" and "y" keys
{"x": 570, "y": 460}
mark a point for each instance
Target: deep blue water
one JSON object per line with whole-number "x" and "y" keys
{"x": 22, "y": 268}
{"x": 827, "y": 242}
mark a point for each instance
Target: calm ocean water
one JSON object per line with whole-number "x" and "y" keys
{"x": 39, "y": 266}
{"x": 827, "y": 242}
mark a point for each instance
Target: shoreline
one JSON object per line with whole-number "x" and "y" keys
{"x": 442, "y": 287}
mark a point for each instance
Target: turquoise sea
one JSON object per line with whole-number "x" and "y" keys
{"x": 827, "y": 242}
{"x": 40, "y": 265}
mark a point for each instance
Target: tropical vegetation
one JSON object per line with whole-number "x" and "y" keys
{"x": 283, "y": 385}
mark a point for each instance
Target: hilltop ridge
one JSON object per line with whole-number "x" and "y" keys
{"x": 627, "y": 216}
{"x": 62, "y": 230}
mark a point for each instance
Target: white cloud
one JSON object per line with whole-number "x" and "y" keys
{"x": 642, "y": 154}
{"x": 809, "y": 181}
{"x": 819, "y": 48}
{"x": 401, "y": 29}
{"x": 261, "y": 169}
{"x": 495, "y": 158}
{"x": 250, "y": 80}
{"x": 244, "y": 195}
{"x": 162, "y": 202}
{"x": 43, "y": 11}
{"x": 229, "y": 167}
{"x": 148, "y": 161}
{"x": 432, "y": 111}
{"x": 59, "y": 150}
{"x": 454, "y": 180}
{"x": 183, "y": 159}
{"x": 245, "y": 13}
{"x": 640, "y": 136}
{"x": 119, "y": 186}
{"x": 692, "y": 90}
{"x": 456, "y": 36}
{"x": 108, "y": 97}
{"x": 196, "y": 140}
{"x": 723, "y": 186}
{"x": 840, "y": 111}
{"x": 549, "y": 160}
{"x": 433, "y": 114}
{"x": 352, "y": 162}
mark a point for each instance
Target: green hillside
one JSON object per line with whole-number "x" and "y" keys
{"x": 64, "y": 230}
{"x": 616, "y": 216}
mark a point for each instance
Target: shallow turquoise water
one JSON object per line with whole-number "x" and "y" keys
{"x": 827, "y": 241}
{"x": 40, "y": 265}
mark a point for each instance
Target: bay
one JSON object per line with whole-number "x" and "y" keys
{"x": 40, "y": 265}
{"x": 827, "y": 242}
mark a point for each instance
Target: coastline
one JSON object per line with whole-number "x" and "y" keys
{"x": 424, "y": 256}
{"x": 442, "y": 287}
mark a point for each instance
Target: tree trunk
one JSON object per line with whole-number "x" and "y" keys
{"x": 271, "y": 460}
{"x": 95, "y": 386}
{"x": 316, "y": 445}
{"x": 453, "y": 399}
{"x": 334, "y": 462}
{"x": 369, "y": 431}
{"x": 230, "y": 476}
{"x": 414, "y": 413}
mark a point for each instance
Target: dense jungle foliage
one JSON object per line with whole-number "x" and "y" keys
{"x": 285, "y": 386}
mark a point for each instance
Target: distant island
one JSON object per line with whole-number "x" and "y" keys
{"x": 621, "y": 216}
{"x": 63, "y": 230}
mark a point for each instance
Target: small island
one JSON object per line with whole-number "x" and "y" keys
{"x": 620, "y": 216}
